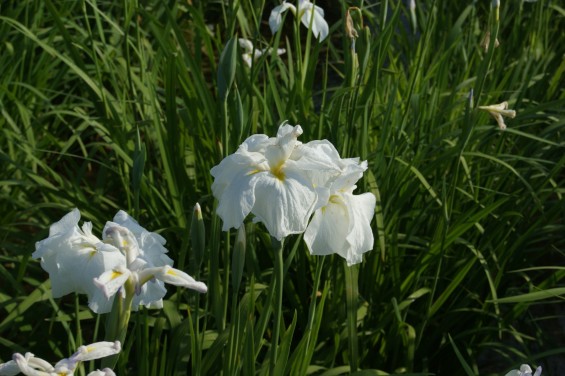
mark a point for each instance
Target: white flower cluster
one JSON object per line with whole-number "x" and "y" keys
{"x": 284, "y": 183}
{"x": 29, "y": 365}
{"x": 311, "y": 16}
{"x": 525, "y": 370}
{"x": 251, "y": 53}
{"x": 78, "y": 261}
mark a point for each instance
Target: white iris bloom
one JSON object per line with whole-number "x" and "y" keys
{"x": 77, "y": 261}
{"x": 311, "y": 16}
{"x": 342, "y": 225}
{"x": 525, "y": 370}
{"x": 73, "y": 257}
{"x": 29, "y": 365}
{"x": 497, "y": 111}
{"x": 269, "y": 177}
{"x": 147, "y": 266}
{"x": 251, "y": 54}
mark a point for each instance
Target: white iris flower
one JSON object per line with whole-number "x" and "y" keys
{"x": 311, "y": 16}
{"x": 73, "y": 257}
{"x": 525, "y": 370}
{"x": 342, "y": 225}
{"x": 270, "y": 178}
{"x": 29, "y": 365}
{"x": 77, "y": 261}
{"x": 251, "y": 54}
{"x": 283, "y": 182}
{"x": 147, "y": 266}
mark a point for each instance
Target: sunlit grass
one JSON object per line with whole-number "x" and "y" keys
{"x": 108, "y": 106}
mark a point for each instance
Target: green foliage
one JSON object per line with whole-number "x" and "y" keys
{"x": 127, "y": 105}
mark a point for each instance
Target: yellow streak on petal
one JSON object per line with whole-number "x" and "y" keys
{"x": 278, "y": 172}
{"x": 334, "y": 199}
{"x": 115, "y": 275}
{"x": 172, "y": 272}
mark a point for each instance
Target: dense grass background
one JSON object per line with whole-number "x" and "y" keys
{"x": 117, "y": 105}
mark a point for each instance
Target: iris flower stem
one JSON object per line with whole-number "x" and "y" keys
{"x": 351, "y": 296}
{"x": 277, "y": 302}
{"x": 119, "y": 321}
{"x": 312, "y": 310}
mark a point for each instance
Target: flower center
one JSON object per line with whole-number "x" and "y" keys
{"x": 278, "y": 172}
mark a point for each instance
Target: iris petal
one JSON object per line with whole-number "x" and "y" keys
{"x": 283, "y": 206}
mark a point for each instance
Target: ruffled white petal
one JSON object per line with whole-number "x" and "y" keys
{"x": 178, "y": 278}
{"x": 286, "y": 142}
{"x": 247, "y": 59}
{"x": 328, "y": 229}
{"x": 343, "y": 227}
{"x": 314, "y": 17}
{"x": 255, "y": 144}
{"x": 246, "y": 45}
{"x": 235, "y": 178}
{"x": 112, "y": 280}
{"x": 10, "y": 368}
{"x": 104, "y": 372}
{"x": 29, "y": 365}
{"x": 351, "y": 173}
{"x": 275, "y": 18}
{"x": 96, "y": 350}
{"x": 238, "y": 199}
{"x": 65, "y": 224}
{"x": 250, "y": 54}
{"x": 310, "y": 15}
{"x": 360, "y": 237}
{"x": 73, "y": 257}
{"x": 284, "y": 206}
{"x": 99, "y": 303}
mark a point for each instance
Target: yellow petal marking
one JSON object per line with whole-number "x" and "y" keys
{"x": 115, "y": 275}
{"x": 278, "y": 171}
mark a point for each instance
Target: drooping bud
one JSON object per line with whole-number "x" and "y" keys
{"x": 198, "y": 238}
{"x": 498, "y": 111}
{"x": 486, "y": 42}
{"x": 349, "y": 27}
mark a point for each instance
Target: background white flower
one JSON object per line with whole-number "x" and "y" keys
{"x": 251, "y": 54}
{"x": 497, "y": 111}
{"x": 311, "y": 16}
{"x": 29, "y": 365}
{"x": 525, "y": 370}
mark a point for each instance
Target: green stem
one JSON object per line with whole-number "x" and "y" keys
{"x": 351, "y": 296}
{"x": 277, "y": 302}
{"x": 118, "y": 320}
{"x": 312, "y": 313}
{"x": 484, "y": 68}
